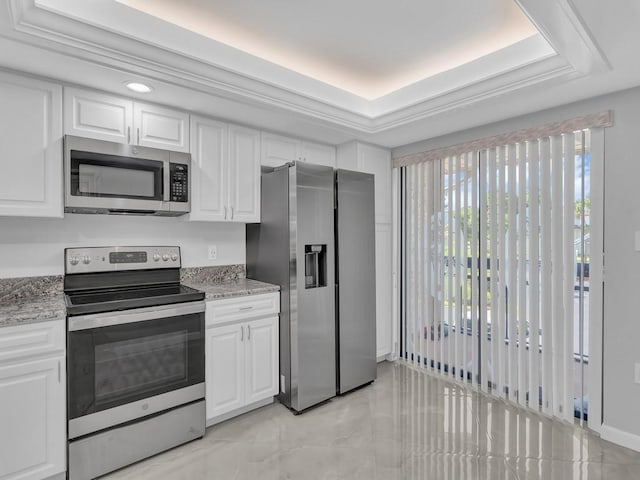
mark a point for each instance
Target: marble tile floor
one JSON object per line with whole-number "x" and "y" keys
{"x": 407, "y": 425}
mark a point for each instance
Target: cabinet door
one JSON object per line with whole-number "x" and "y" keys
{"x": 319, "y": 154}
{"x": 32, "y": 414}
{"x": 244, "y": 174}
{"x": 96, "y": 115}
{"x": 278, "y": 150}
{"x": 208, "y": 169}
{"x": 225, "y": 377}
{"x": 383, "y": 289}
{"x": 378, "y": 161}
{"x": 160, "y": 127}
{"x": 261, "y": 359}
{"x": 30, "y": 147}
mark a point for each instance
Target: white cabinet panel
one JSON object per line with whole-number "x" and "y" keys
{"x": 278, "y": 150}
{"x": 378, "y": 161}
{"x": 242, "y": 366}
{"x": 244, "y": 174}
{"x": 318, "y": 154}
{"x": 208, "y": 169}
{"x": 96, "y": 115}
{"x": 23, "y": 341}
{"x": 225, "y": 174}
{"x": 33, "y": 433}
{"x": 30, "y": 147}
{"x": 239, "y": 308}
{"x": 160, "y": 127}
{"x": 383, "y": 289}
{"x": 262, "y": 359}
{"x": 224, "y": 369}
{"x": 116, "y": 119}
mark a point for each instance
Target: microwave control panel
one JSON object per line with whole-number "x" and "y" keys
{"x": 179, "y": 181}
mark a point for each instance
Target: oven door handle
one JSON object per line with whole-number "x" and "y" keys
{"x": 107, "y": 319}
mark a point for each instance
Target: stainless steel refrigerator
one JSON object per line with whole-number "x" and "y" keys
{"x": 316, "y": 241}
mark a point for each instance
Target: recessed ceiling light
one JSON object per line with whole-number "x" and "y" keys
{"x": 138, "y": 87}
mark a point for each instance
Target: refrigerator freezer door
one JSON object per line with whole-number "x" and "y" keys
{"x": 312, "y": 310}
{"x": 356, "y": 275}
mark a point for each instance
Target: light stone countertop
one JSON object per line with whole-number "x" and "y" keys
{"x": 232, "y": 288}
{"x": 24, "y": 310}
{"x": 32, "y": 310}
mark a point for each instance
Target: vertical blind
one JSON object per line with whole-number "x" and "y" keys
{"x": 496, "y": 264}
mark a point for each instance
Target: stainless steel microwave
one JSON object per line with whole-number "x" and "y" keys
{"x": 113, "y": 178}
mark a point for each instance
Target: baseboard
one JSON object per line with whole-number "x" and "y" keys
{"x": 620, "y": 437}
{"x": 239, "y": 411}
{"x": 58, "y": 476}
{"x": 383, "y": 357}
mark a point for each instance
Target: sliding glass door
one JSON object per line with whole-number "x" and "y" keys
{"x": 495, "y": 259}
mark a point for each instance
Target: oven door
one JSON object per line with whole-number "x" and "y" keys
{"x": 128, "y": 364}
{"x": 113, "y": 177}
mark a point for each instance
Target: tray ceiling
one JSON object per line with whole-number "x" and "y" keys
{"x": 366, "y": 48}
{"x": 385, "y": 72}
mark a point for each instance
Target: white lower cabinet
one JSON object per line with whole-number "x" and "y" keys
{"x": 242, "y": 354}
{"x": 33, "y": 430}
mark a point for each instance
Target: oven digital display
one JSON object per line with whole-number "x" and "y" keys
{"x": 128, "y": 257}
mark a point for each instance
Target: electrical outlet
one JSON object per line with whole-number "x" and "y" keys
{"x": 637, "y": 375}
{"x": 213, "y": 252}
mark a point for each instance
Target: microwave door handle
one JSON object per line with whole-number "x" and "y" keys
{"x": 166, "y": 184}
{"x": 107, "y": 319}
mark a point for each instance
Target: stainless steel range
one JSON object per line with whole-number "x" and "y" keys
{"x": 135, "y": 360}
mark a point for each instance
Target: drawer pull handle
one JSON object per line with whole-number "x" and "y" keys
{"x": 246, "y": 308}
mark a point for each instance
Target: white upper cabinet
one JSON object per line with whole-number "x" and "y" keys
{"x": 318, "y": 154}
{"x": 96, "y": 115}
{"x": 278, "y": 150}
{"x": 225, "y": 172}
{"x": 244, "y": 174}
{"x": 208, "y": 169}
{"x": 108, "y": 117}
{"x": 370, "y": 159}
{"x": 30, "y": 147}
{"x": 161, "y": 127}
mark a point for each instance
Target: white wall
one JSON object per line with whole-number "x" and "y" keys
{"x": 621, "y": 396}
{"x": 34, "y": 246}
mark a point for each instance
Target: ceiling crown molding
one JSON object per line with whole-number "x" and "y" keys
{"x": 64, "y": 26}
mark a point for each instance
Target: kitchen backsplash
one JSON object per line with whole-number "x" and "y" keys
{"x": 212, "y": 274}
{"x": 12, "y": 289}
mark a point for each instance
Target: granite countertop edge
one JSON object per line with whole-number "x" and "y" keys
{"x": 26, "y": 311}
{"x": 233, "y": 288}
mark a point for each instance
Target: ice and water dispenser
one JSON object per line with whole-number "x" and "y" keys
{"x": 315, "y": 266}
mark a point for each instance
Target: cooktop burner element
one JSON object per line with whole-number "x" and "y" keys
{"x": 104, "y": 279}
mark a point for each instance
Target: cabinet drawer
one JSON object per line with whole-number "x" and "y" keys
{"x": 32, "y": 340}
{"x": 241, "y": 308}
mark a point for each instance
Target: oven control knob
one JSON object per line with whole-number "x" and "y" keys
{"x": 165, "y": 257}
{"x": 74, "y": 260}
{"x": 174, "y": 257}
{"x": 156, "y": 257}
{"x": 86, "y": 259}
